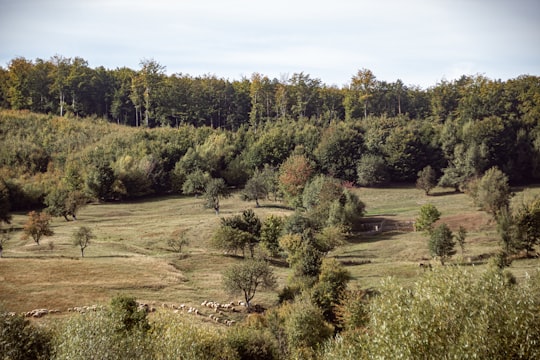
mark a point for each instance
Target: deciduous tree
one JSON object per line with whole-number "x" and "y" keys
{"x": 441, "y": 243}
{"x": 428, "y": 216}
{"x": 492, "y": 192}
{"x": 427, "y": 179}
{"x": 247, "y": 277}
{"x": 37, "y": 226}
{"x": 82, "y": 237}
{"x": 214, "y": 190}
{"x": 294, "y": 174}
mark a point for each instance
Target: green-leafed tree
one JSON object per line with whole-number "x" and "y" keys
{"x": 214, "y": 190}
{"x": 492, "y": 192}
{"x": 100, "y": 182}
{"x": 441, "y": 243}
{"x": 330, "y": 288}
{"x": 427, "y": 179}
{"x": 195, "y": 183}
{"x": 82, "y": 238}
{"x": 62, "y": 202}
{"x": 339, "y": 150}
{"x": 271, "y": 230}
{"x": 255, "y": 188}
{"x": 247, "y": 277}
{"x": 429, "y": 214}
{"x": 372, "y": 171}
{"x": 506, "y": 227}
{"x": 527, "y": 225}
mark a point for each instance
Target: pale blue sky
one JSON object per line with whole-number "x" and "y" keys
{"x": 418, "y": 41}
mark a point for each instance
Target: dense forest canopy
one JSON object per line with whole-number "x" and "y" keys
{"x": 369, "y": 132}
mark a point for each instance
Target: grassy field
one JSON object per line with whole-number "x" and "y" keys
{"x": 130, "y": 254}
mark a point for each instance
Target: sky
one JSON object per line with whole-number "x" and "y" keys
{"x": 420, "y": 42}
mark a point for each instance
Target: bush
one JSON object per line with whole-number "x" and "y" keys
{"x": 119, "y": 332}
{"x": 372, "y": 171}
{"x": 450, "y": 313}
{"x": 19, "y": 339}
{"x": 177, "y": 338}
{"x": 250, "y": 343}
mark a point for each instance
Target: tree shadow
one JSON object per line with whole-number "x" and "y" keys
{"x": 446, "y": 193}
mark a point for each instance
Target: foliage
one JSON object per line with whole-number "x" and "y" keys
{"x": 461, "y": 236}
{"x": 5, "y": 205}
{"x": 114, "y": 333}
{"x": 328, "y": 203}
{"x": 372, "y": 171}
{"x": 251, "y": 343}
{"x": 247, "y": 276}
{"x": 449, "y": 313}
{"x": 213, "y": 191}
{"x": 339, "y": 151}
{"x": 81, "y": 238}
{"x": 21, "y": 339}
{"x": 428, "y": 216}
{"x": 63, "y": 202}
{"x": 305, "y": 328}
{"x": 506, "y": 227}
{"x": 124, "y": 309}
{"x": 346, "y": 210}
{"x": 330, "y": 288}
{"x": 427, "y": 179}
{"x": 255, "y": 188}
{"x": 231, "y": 239}
{"x": 238, "y": 232}
{"x": 195, "y": 183}
{"x": 100, "y": 182}
{"x": 492, "y": 192}
{"x": 294, "y": 173}
{"x": 527, "y": 224}
{"x": 441, "y": 243}
{"x": 37, "y": 226}
{"x": 271, "y": 230}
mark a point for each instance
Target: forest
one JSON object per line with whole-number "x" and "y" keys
{"x": 75, "y": 138}
{"x": 229, "y": 129}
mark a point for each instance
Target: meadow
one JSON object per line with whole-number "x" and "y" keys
{"x": 130, "y": 254}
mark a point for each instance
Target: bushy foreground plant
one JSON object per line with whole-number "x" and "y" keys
{"x": 19, "y": 339}
{"x": 448, "y": 314}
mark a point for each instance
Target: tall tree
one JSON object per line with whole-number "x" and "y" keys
{"x": 60, "y": 79}
{"x": 151, "y": 74}
{"x": 19, "y": 81}
{"x": 363, "y": 84}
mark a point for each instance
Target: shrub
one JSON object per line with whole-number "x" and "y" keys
{"x": 449, "y": 313}
{"x": 19, "y": 339}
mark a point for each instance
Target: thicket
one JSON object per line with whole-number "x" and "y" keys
{"x": 448, "y": 313}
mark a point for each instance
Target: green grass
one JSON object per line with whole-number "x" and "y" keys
{"x": 130, "y": 254}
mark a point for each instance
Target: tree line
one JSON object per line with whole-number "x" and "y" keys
{"x": 149, "y": 97}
